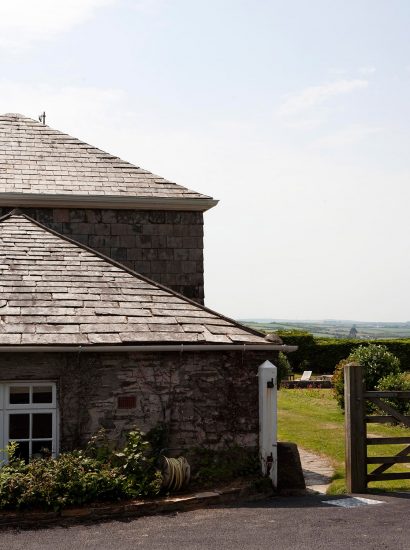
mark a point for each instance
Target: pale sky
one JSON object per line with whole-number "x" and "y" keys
{"x": 295, "y": 114}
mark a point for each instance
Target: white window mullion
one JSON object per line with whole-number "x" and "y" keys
{"x": 36, "y": 390}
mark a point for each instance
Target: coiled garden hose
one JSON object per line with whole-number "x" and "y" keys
{"x": 176, "y": 473}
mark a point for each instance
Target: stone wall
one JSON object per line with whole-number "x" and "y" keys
{"x": 165, "y": 246}
{"x": 204, "y": 398}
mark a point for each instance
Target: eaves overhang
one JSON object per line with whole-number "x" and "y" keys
{"x": 144, "y": 348}
{"x": 120, "y": 202}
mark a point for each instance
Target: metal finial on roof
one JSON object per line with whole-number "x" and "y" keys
{"x": 42, "y": 117}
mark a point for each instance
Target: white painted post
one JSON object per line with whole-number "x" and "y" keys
{"x": 267, "y": 374}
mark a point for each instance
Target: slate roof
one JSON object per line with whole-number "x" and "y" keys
{"x": 35, "y": 158}
{"x": 53, "y": 291}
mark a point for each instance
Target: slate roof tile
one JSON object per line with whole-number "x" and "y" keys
{"x": 94, "y": 302}
{"x": 35, "y": 158}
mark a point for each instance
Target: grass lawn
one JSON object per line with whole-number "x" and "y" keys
{"x": 312, "y": 419}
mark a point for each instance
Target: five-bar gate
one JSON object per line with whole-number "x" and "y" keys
{"x": 357, "y": 440}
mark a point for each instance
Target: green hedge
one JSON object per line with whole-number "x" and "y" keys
{"x": 321, "y": 355}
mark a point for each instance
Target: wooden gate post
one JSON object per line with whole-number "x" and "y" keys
{"x": 355, "y": 429}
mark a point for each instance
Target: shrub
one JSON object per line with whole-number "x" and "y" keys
{"x": 322, "y": 354}
{"x": 134, "y": 462}
{"x": 397, "y": 382}
{"x": 306, "y": 346}
{"x": 377, "y": 361}
{"x": 338, "y": 382}
{"x": 77, "y": 477}
{"x": 284, "y": 367}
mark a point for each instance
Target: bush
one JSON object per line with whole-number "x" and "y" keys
{"x": 79, "y": 477}
{"x": 322, "y": 354}
{"x": 339, "y": 383}
{"x": 306, "y": 346}
{"x": 396, "y": 382}
{"x": 378, "y": 362}
{"x": 284, "y": 367}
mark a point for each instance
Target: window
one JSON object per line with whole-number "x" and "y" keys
{"x": 28, "y": 415}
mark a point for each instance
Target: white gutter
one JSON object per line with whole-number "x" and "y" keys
{"x": 45, "y": 200}
{"x": 147, "y": 348}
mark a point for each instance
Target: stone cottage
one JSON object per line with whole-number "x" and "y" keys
{"x": 102, "y": 321}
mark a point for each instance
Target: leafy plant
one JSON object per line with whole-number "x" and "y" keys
{"x": 93, "y": 474}
{"x": 284, "y": 367}
{"x": 141, "y": 477}
{"x": 396, "y": 382}
{"x": 339, "y": 383}
{"x": 158, "y": 437}
{"x": 377, "y": 361}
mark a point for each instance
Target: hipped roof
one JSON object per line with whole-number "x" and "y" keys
{"x": 44, "y": 163}
{"x": 54, "y": 291}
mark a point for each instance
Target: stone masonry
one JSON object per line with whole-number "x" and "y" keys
{"x": 204, "y": 398}
{"x": 166, "y": 246}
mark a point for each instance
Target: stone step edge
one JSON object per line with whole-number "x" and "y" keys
{"x": 131, "y": 509}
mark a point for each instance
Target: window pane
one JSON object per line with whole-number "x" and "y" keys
{"x": 19, "y": 426}
{"x": 42, "y": 425}
{"x": 19, "y": 395}
{"x": 23, "y": 450}
{"x": 41, "y": 449}
{"x": 42, "y": 394}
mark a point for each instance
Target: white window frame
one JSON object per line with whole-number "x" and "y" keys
{"x": 7, "y": 408}
{"x": 30, "y": 385}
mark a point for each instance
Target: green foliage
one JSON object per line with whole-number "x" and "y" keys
{"x": 396, "y": 382}
{"x": 135, "y": 463}
{"x": 299, "y": 337}
{"x": 284, "y": 367}
{"x": 78, "y": 477}
{"x": 306, "y": 345}
{"x": 338, "y": 382}
{"x": 377, "y": 361}
{"x": 225, "y": 464}
{"x": 158, "y": 437}
{"x": 322, "y": 354}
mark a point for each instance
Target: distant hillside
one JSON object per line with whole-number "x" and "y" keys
{"x": 335, "y": 328}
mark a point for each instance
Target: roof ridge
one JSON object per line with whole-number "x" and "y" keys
{"x": 77, "y": 141}
{"x": 62, "y": 163}
{"x": 17, "y": 115}
{"x": 132, "y": 272}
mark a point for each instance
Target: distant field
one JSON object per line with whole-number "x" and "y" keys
{"x": 335, "y": 329}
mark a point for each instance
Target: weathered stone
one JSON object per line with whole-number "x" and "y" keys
{"x": 199, "y": 395}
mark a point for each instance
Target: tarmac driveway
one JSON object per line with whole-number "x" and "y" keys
{"x": 312, "y": 522}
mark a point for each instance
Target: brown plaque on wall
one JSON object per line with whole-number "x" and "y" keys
{"x": 127, "y": 402}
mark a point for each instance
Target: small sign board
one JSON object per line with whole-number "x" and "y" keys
{"x": 127, "y": 402}
{"x": 306, "y": 375}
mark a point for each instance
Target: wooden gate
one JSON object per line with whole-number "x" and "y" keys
{"x": 357, "y": 440}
